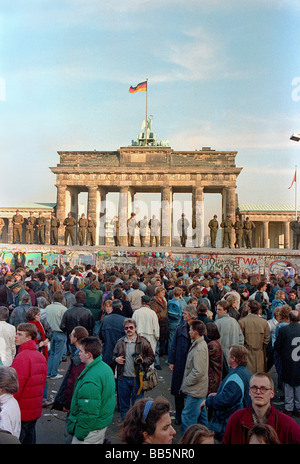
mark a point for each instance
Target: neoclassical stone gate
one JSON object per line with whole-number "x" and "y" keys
{"x": 151, "y": 169}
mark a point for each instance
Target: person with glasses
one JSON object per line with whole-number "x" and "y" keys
{"x": 131, "y": 354}
{"x": 260, "y": 411}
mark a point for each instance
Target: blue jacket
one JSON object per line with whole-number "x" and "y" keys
{"x": 111, "y": 330}
{"x": 229, "y": 398}
{"x": 178, "y": 354}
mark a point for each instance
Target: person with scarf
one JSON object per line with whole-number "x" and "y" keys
{"x": 44, "y": 333}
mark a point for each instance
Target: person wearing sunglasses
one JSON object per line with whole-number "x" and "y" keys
{"x": 261, "y": 411}
{"x": 131, "y": 354}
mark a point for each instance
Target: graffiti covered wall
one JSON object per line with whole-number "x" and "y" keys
{"x": 260, "y": 263}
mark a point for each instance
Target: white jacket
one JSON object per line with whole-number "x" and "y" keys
{"x": 147, "y": 324}
{"x": 7, "y": 345}
{"x": 10, "y": 417}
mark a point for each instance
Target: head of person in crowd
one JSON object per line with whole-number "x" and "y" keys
{"x": 117, "y": 305}
{"x": 90, "y": 349}
{"x": 9, "y": 382}
{"x": 80, "y": 297}
{"x": 212, "y": 331}
{"x": 222, "y": 307}
{"x": 25, "y": 333}
{"x": 4, "y": 313}
{"x": 262, "y": 434}
{"x": 107, "y": 307}
{"x": 255, "y": 307}
{"x": 238, "y": 356}
{"x": 189, "y": 313}
{"x": 148, "y": 422}
{"x": 77, "y": 334}
{"x": 197, "y": 434}
{"x": 284, "y": 311}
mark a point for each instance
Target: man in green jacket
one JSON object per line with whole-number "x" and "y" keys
{"x": 93, "y": 401}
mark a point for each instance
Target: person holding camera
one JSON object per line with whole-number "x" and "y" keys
{"x": 132, "y": 355}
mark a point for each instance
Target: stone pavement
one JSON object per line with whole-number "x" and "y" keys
{"x": 51, "y": 426}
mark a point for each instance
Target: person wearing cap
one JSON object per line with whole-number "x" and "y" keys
{"x": 69, "y": 224}
{"x": 213, "y": 226}
{"x": 30, "y": 228}
{"x": 182, "y": 227}
{"x": 82, "y": 228}
{"x": 17, "y": 221}
{"x": 248, "y": 228}
{"x": 54, "y": 225}
{"x": 40, "y": 227}
{"x": 227, "y": 226}
{"x": 238, "y": 227}
{"x": 131, "y": 225}
{"x": 18, "y": 291}
{"x": 91, "y": 231}
{"x": 154, "y": 225}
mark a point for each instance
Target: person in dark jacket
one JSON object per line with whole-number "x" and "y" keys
{"x": 132, "y": 354}
{"x": 111, "y": 330}
{"x": 232, "y": 394}
{"x": 127, "y": 309}
{"x": 287, "y": 346}
{"x": 76, "y": 315}
{"x": 62, "y": 401}
{"x": 177, "y": 358}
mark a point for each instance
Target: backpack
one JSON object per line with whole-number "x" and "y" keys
{"x": 174, "y": 310}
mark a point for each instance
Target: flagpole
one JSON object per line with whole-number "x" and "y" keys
{"x": 296, "y": 202}
{"x": 146, "y": 128}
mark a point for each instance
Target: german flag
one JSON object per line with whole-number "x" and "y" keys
{"x": 142, "y": 86}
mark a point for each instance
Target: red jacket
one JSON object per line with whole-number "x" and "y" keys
{"x": 31, "y": 367}
{"x": 241, "y": 421}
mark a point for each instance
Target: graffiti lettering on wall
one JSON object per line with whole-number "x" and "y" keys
{"x": 254, "y": 264}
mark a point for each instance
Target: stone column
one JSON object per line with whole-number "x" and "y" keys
{"x": 230, "y": 202}
{"x": 123, "y": 215}
{"x": 61, "y": 211}
{"x": 102, "y": 216}
{"x": 166, "y": 211}
{"x": 92, "y": 201}
{"x": 198, "y": 216}
{"x": 286, "y": 225}
{"x": 266, "y": 234}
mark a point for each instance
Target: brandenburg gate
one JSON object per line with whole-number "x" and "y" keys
{"x": 154, "y": 168}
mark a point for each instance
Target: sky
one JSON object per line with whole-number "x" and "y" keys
{"x": 223, "y": 74}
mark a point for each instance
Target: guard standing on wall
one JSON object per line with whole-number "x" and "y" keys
{"x": 227, "y": 226}
{"x": 182, "y": 227}
{"x": 40, "y": 225}
{"x": 91, "y": 231}
{"x": 54, "y": 225}
{"x": 17, "y": 221}
{"x": 131, "y": 225}
{"x": 295, "y": 226}
{"x": 143, "y": 226}
{"x": 213, "y": 226}
{"x": 238, "y": 227}
{"x": 154, "y": 225}
{"x": 69, "y": 224}
{"x": 82, "y": 228}
{"x": 248, "y": 227}
{"x": 116, "y": 230}
{"x": 30, "y": 228}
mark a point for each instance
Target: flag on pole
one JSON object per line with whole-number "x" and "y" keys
{"x": 142, "y": 86}
{"x": 294, "y": 180}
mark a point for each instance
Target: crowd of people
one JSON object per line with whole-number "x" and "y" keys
{"x": 220, "y": 333}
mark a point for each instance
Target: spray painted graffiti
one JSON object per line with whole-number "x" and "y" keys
{"x": 205, "y": 262}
